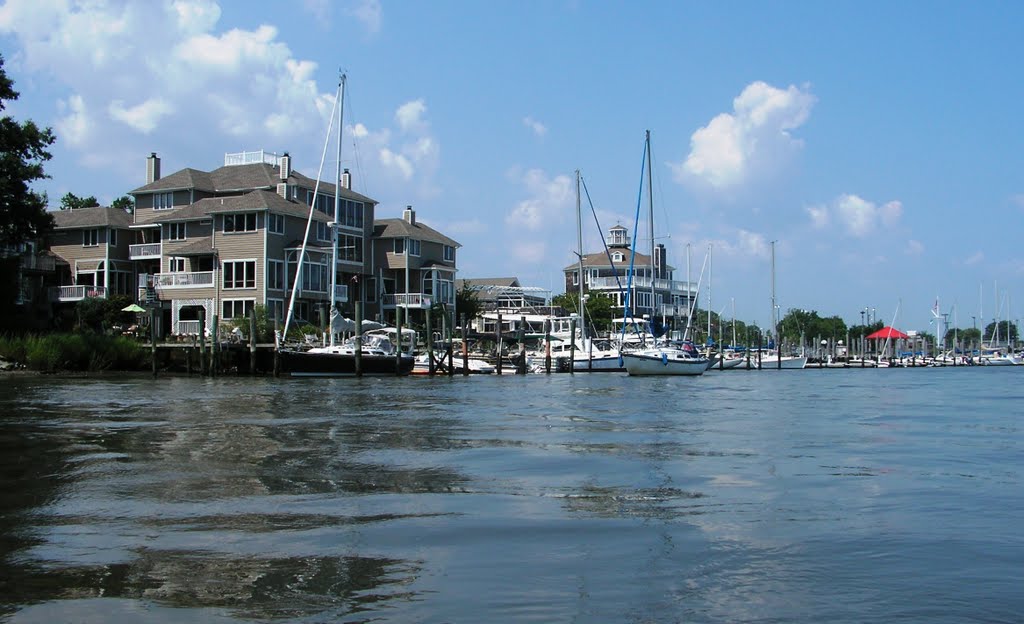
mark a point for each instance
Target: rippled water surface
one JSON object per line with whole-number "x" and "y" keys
{"x": 772, "y": 496}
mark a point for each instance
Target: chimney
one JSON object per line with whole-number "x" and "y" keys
{"x": 661, "y": 261}
{"x": 286, "y": 166}
{"x": 346, "y": 180}
{"x": 152, "y": 168}
{"x": 409, "y": 215}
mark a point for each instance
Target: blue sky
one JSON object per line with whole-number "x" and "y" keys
{"x": 878, "y": 143}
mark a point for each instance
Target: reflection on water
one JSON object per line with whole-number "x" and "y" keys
{"x": 805, "y": 496}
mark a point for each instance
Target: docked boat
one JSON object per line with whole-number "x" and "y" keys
{"x": 666, "y": 359}
{"x": 377, "y": 356}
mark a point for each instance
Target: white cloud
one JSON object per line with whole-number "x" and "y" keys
{"x": 855, "y": 216}
{"x": 143, "y": 117}
{"x": 397, "y": 162}
{"x": 74, "y": 125}
{"x": 410, "y": 115}
{"x": 537, "y": 127}
{"x": 549, "y": 201}
{"x": 749, "y": 144}
{"x": 915, "y": 247}
{"x": 368, "y": 12}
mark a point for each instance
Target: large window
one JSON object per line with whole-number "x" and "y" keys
{"x": 449, "y": 253}
{"x": 275, "y": 223}
{"x": 240, "y": 274}
{"x": 399, "y": 245}
{"x": 163, "y": 201}
{"x": 176, "y": 265}
{"x": 323, "y": 232}
{"x": 350, "y": 248}
{"x": 351, "y": 213}
{"x": 112, "y": 237}
{"x": 176, "y": 231}
{"x": 240, "y": 222}
{"x": 414, "y": 247}
{"x": 275, "y": 309}
{"x": 275, "y": 275}
{"x": 236, "y": 308}
{"x": 90, "y": 238}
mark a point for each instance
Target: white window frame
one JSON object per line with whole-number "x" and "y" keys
{"x": 245, "y": 229}
{"x": 173, "y": 233}
{"x": 91, "y": 237}
{"x": 414, "y": 247}
{"x": 175, "y": 264}
{"x": 234, "y": 303}
{"x": 246, "y": 272}
{"x": 163, "y": 201}
{"x": 449, "y": 253}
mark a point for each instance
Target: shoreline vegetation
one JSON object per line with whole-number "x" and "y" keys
{"x": 72, "y": 352}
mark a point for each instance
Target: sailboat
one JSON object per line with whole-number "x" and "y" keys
{"x": 774, "y": 358}
{"x": 369, "y": 354}
{"x": 664, "y": 358}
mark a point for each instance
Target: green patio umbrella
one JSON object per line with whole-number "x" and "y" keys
{"x": 134, "y": 308}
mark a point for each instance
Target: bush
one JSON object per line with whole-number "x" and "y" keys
{"x": 74, "y": 352}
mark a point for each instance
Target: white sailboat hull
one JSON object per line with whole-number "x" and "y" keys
{"x": 663, "y": 361}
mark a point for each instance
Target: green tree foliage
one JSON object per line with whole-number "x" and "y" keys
{"x": 598, "y": 309}
{"x": 1005, "y": 328}
{"x": 467, "y": 303}
{"x": 804, "y": 325}
{"x": 70, "y": 201}
{"x": 23, "y": 150}
{"x": 124, "y": 202}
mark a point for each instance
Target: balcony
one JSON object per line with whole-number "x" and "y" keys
{"x": 77, "y": 293}
{"x": 407, "y": 300}
{"x": 146, "y": 251}
{"x": 202, "y": 279}
{"x": 609, "y": 283}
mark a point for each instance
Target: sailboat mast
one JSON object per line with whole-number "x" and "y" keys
{"x": 650, "y": 217}
{"x": 579, "y": 248}
{"x": 337, "y": 212}
{"x": 775, "y": 325}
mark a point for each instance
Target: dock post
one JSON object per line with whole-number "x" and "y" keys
{"x": 358, "y": 352}
{"x": 152, "y": 338}
{"x": 202, "y": 340}
{"x": 277, "y": 348}
{"x": 498, "y": 369}
{"x": 521, "y": 369}
{"x": 547, "y": 346}
{"x": 398, "y": 351}
{"x": 252, "y": 341}
{"x": 188, "y": 357}
{"x": 465, "y": 349}
{"x": 214, "y": 355}
{"x": 572, "y": 346}
{"x": 448, "y": 331}
{"x": 430, "y": 345}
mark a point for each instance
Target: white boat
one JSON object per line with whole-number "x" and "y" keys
{"x": 377, "y": 356}
{"x": 998, "y": 358}
{"x": 667, "y": 359}
{"x": 771, "y": 360}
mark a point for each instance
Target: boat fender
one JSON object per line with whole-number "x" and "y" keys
{"x": 621, "y": 363}
{"x": 664, "y": 359}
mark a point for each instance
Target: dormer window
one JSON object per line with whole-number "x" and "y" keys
{"x": 163, "y": 201}
{"x": 618, "y": 257}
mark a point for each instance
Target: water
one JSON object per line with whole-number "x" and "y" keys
{"x": 773, "y": 496}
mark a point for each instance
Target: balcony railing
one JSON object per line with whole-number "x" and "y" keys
{"x": 187, "y": 328}
{"x": 605, "y": 283}
{"x": 202, "y": 279}
{"x": 407, "y": 300}
{"x": 77, "y": 293}
{"x": 146, "y": 251}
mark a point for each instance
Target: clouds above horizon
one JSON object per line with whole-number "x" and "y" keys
{"x": 854, "y": 216}
{"x": 749, "y": 144}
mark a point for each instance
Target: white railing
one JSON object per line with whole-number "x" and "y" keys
{"x": 203, "y": 279}
{"x": 639, "y": 282}
{"x": 407, "y": 300}
{"x": 187, "y": 328}
{"x": 249, "y": 158}
{"x": 77, "y": 293}
{"x": 145, "y": 251}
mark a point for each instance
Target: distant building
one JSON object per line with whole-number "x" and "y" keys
{"x": 504, "y": 294}
{"x": 606, "y": 273}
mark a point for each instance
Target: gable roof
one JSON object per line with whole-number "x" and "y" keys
{"x": 234, "y": 178}
{"x": 400, "y": 228}
{"x": 97, "y": 216}
{"x": 255, "y": 201}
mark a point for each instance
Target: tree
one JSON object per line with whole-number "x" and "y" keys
{"x": 71, "y": 201}
{"x": 1006, "y": 331}
{"x": 124, "y": 202}
{"x": 598, "y": 308}
{"x": 23, "y": 150}
{"x": 467, "y": 304}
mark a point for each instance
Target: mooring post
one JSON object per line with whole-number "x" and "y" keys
{"x": 521, "y": 370}
{"x": 202, "y": 341}
{"x": 547, "y": 346}
{"x": 152, "y": 338}
{"x": 277, "y": 347}
{"x": 430, "y": 345}
{"x": 572, "y": 346}
{"x": 449, "y": 333}
{"x": 465, "y": 349}
{"x": 498, "y": 370}
{"x": 252, "y": 341}
{"x": 358, "y": 352}
{"x": 214, "y": 350}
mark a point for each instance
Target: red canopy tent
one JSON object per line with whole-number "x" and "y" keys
{"x": 887, "y": 332}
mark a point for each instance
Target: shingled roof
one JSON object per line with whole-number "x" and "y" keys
{"x": 400, "y": 228}
{"x": 255, "y": 201}
{"x": 97, "y": 216}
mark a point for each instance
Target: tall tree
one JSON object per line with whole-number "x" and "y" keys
{"x": 23, "y": 150}
{"x": 124, "y": 202}
{"x": 71, "y": 201}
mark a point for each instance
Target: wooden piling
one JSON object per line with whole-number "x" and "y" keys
{"x": 465, "y": 349}
{"x": 398, "y": 351}
{"x": 572, "y": 345}
{"x": 359, "y": 338}
{"x": 521, "y": 369}
{"x": 252, "y": 342}
{"x": 152, "y": 338}
{"x": 498, "y": 338}
{"x": 430, "y": 345}
{"x": 202, "y": 341}
{"x": 547, "y": 346}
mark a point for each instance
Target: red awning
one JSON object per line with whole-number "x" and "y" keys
{"x": 887, "y": 332}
